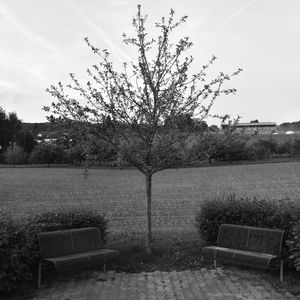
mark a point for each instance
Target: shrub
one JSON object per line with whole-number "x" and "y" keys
{"x": 236, "y": 150}
{"x": 294, "y": 246}
{"x": 15, "y": 155}
{"x": 47, "y": 153}
{"x": 19, "y": 248}
{"x": 25, "y": 140}
{"x": 15, "y": 254}
{"x": 263, "y": 149}
{"x": 281, "y": 214}
{"x": 59, "y": 220}
{"x": 75, "y": 155}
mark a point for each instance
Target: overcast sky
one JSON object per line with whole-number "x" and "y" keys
{"x": 42, "y": 42}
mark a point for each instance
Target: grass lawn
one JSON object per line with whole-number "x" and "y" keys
{"x": 120, "y": 194}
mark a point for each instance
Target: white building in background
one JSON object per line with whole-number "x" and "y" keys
{"x": 290, "y": 132}
{"x": 255, "y": 127}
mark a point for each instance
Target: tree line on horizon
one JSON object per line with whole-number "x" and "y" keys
{"x": 19, "y": 145}
{"x": 36, "y": 127}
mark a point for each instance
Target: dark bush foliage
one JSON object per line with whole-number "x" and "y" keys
{"x": 263, "y": 149}
{"x": 19, "y": 248}
{"x": 15, "y": 155}
{"x": 25, "y": 140}
{"x": 294, "y": 246}
{"x": 47, "y": 154}
{"x": 15, "y": 254}
{"x": 60, "y": 220}
{"x": 75, "y": 155}
{"x": 281, "y": 214}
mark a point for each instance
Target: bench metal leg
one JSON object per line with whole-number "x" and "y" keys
{"x": 215, "y": 260}
{"x": 281, "y": 270}
{"x": 105, "y": 269}
{"x": 39, "y": 275}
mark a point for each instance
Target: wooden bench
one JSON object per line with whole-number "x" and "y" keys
{"x": 248, "y": 246}
{"x": 74, "y": 248}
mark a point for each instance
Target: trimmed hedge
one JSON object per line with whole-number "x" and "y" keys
{"x": 61, "y": 220}
{"x": 294, "y": 246}
{"x": 19, "y": 248}
{"x": 15, "y": 255}
{"x": 281, "y": 214}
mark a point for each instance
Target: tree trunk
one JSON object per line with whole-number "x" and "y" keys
{"x": 148, "y": 237}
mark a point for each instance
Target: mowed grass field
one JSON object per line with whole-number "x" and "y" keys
{"x": 120, "y": 194}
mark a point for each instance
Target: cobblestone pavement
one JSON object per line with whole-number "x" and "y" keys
{"x": 225, "y": 284}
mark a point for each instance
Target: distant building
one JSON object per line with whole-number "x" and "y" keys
{"x": 47, "y": 137}
{"x": 257, "y": 127}
{"x": 290, "y": 132}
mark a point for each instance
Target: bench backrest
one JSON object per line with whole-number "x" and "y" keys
{"x": 72, "y": 241}
{"x": 249, "y": 238}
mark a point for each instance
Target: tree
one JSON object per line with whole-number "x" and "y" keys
{"x": 218, "y": 144}
{"x": 214, "y": 128}
{"x": 10, "y": 126}
{"x": 296, "y": 146}
{"x": 25, "y": 140}
{"x": 200, "y": 126}
{"x": 183, "y": 122}
{"x": 47, "y": 153}
{"x": 139, "y": 98}
{"x": 15, "y": 155}
{"x": 264, "y": 148}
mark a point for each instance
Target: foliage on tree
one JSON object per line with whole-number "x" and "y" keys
{"x": 15, "y": 155}
{"x": 183, "y": 122}
{"x": 200, "y": 126}
{"x": 289, "y": 146}
{"x": 219, "y": 145}
{"x": 297, "y": 146}
{"x": 25, "y": 140}
{"x": 46, "y": 153}
{"x": 74, "y": 155}
{"x": 214, "y": 128}
{"x": 293, "y": 126}
{"x": 143, "y": 101}
{"x": 36, "y": 128}
{"x": 264, "y": 149}
{"x": 10, "y": 125}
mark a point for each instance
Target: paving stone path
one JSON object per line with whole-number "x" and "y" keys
{"x": 223, "y": 284}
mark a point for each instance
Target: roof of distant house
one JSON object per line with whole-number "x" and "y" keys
{"x": 254, "y": 124}
{"x": 257, "y": 124}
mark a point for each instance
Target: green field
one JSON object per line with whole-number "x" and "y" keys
{"x": 120, "y": 193}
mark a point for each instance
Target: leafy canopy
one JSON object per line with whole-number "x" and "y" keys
{"x": 136, "y": 110}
